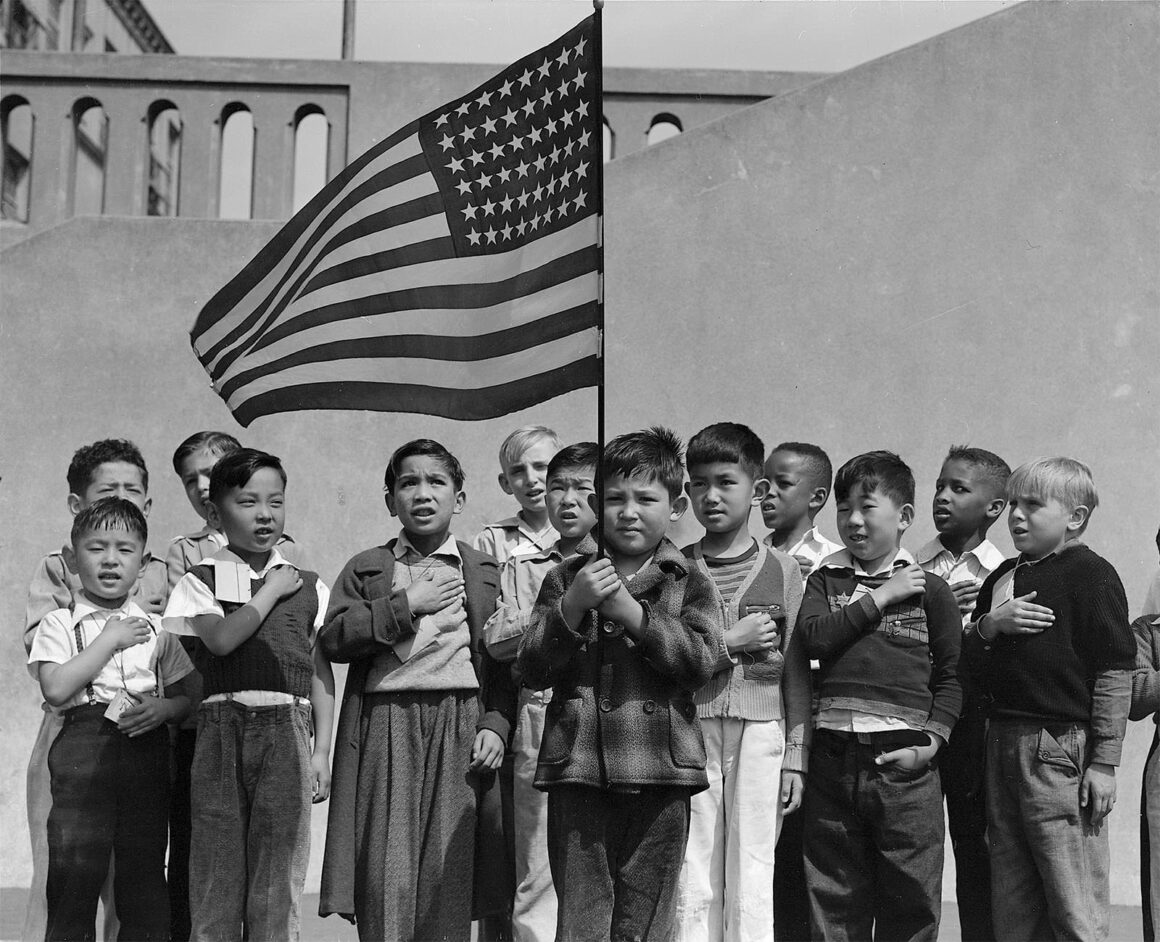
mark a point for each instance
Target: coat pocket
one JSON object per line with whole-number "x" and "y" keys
{"x": 560, "y": 725}
{"x": 686, "y": 743}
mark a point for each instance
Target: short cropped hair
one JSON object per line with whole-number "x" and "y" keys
{"x": 1063, "y": 479}
{"x": 521, "y": 440}
{"x": 86, "y": 460}
{"x": 814, "y": 460}
{"x": 653, "y": 454}
{"x": 580, "y": 455}
{"x": 727, "y": 442}
{"x": 876, "y": 470}
{"x": 995, "y": 470}
{"x": 236, "y": 468}
{"x": 423, "y": 446}
{"x": 216, "y": 443}
{"x": 110, "y": 513}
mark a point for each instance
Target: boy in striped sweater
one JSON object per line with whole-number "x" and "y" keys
{"x": 755, "y": 711}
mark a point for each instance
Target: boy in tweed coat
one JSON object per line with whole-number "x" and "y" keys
{"x": 624, "y": 640}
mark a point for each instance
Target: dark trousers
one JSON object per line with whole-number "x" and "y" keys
{"x": 873, "y": 844}
{"x": 791, "y": 903}
{"x": 180, "y": 824}
{"x": 110, "y": 795}
{"x": 616, "y": 861}
{"x": 962, "y": 769}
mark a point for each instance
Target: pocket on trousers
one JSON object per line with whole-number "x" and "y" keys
{"x": 1063, "y": 752}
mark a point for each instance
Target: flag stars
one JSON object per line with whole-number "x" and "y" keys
{"x": 489, "y": 208}
{"x": 485, "y": 180}
{"x": 463, "y": 108}
{"x": 582, "y": 170}
{"x": 562, "y": 58}
{"x": 469, "y": 211}
{"x": 456, "y": 165}
{"x": 523, "y": 198}
{"x": 566, "y": 118}
{"x": 521, "y": 226}
{"x": 580, "y": 46}
{"x": 555, "y": 157}
{"x": 476, "y": 158}
{"x": 467, "y": 134}
{"x": 545, "y": 68}
{"x": 581, "y": 75}
{"x": 582, "y": 108}
{"x": 585, "y": 137}
{"x": 509, "y": 118}
{"x": 507, "y": 231}
{"x": 579, "y": 201}
{"x": 447, "y": 143}
{"x": 490, "y": 234}
{"x": 534, "y": 136}
{"x": 505, "y": 174}
{"x": 506, "y": 203}
{"x": 529, "y": 106}
{"x": 546, "y": 98}
{"x": 488, "y": 126}
{"x": 484, "y": 100}
{"x": 473, "y": 237}
{"x": 540, "y": 161}
{"x": 568, "y": 145}
{"x": 463, "y": 187}
{"x": 505, "y": 89}
{"x": 522, "y": 169}
{"x": 563, "y": 89}
{"x": 442, "y": 120}
{"x": 526, "y": 78}
{"x": 497, "y": 150}
{"x": 550, "y": 126}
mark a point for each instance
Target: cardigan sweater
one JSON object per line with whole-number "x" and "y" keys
{"x": 1146, "y": 674}
{"x": 365, "y": 614}
{"x": 762, "y": 689}
{"x": 622, "y": 715}
{"x": 1076, "y": 671}
{"x": 901, "y": 663}
{"x": 278, "y": 656}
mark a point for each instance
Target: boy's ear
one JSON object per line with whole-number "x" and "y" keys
{"x": 75, "y": 504}
{"x": 460, "y": 502}
{"x": 1078, "y": 518}
{"x": 680, "y": 505}
{"x": 503, "y": 483}
{"x": 390, "y": 499}
{"x": 995, "y": 508}
{"x": 145, "y": 507}
{"x": 818, "y": 498}
{"x": 212, "y": 517}
{"x": 905, "y": 516}
{"x": 760, "y": 491}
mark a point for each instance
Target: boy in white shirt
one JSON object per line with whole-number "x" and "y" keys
{"x": 799, "y": 476}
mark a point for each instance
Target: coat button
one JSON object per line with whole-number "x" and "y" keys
{"x": 649, "y": 706}
{"x": 690, "y": 711}
{"x": 605, "y": 705}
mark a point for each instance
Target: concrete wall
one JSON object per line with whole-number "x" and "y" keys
{"x": 957, "y": 243}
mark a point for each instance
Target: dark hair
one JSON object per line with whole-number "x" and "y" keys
{"x": 994, "y": 468}
{"x": 218, "y": 443}
{"x": 815, "y": 461}
{"x": 110, "y": 513}
{"x": 727, "y": 442}
{"x": 876, "y": 470}
{"x": 423, "y": 446}
{"x": 653, "y": 454}
{"x": 236, "y": 468}
{"x": 86, "y": 460}
{"x": 579, "y": 455}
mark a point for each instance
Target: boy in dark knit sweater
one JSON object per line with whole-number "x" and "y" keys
{"x": 254, "y": 772}
{"x": 1052, "y": 640}
{"x": 624, "y": 641}
{"x": 887, "y": 635}
{"x": 755, "y": 711}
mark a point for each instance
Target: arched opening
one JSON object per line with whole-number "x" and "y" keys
{"x": 90, "y": 154}
{"x": 164, "y": 159}
{"x": 663, "y": 127}
{"x": 609, "y": 141}
{"x": 236, "y": 178}
{"x": 16, "y": 130}
{"x": 311, "y": 145}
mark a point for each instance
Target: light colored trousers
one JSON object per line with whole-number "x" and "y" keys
{"x": 38, "y": 793}
{"x": 1152, "y": 799}
{"x": 534, "y": 910}
{"x": 726, "y": 889}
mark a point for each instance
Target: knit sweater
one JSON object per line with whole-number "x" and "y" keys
{"x": 761, "y": 689}
{"x": 1076, "y": 671}
{"x": 622, "y": 713}
{"x": 901, "y": 663}
{"x": 278, "y": 656}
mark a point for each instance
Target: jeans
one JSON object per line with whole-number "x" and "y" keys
{"x": 873, "y": 843}
{"x": 251, "y": 786}
{"x": 616, "y": 860}
{"x": 726, "y": 890}
{"x": 1049, "y": 866}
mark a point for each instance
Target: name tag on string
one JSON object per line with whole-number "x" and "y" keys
{"x": 232, "y": 581}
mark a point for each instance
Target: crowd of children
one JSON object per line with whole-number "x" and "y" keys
{"x": 573, "y": 729}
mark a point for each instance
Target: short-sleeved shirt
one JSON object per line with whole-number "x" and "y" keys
{"x": 188, "y": 550}
{"x": 977, "y": 564}
{"x": 143, "y": 669}
{"x": 504, "y": 537}
{"x": 191, "y": 597}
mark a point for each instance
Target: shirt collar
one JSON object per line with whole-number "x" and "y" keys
{"x": 987, "y": 553}
{"x": 449, "y": 547}
{"x": 225, "y": 554}
{"x": 82, "y": 608}
{"x": 844, "y": 559}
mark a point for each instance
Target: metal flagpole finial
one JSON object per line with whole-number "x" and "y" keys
{"x": 597, "y": 4}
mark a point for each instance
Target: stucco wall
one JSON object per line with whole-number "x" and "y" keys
{"x": 957, "y": 243}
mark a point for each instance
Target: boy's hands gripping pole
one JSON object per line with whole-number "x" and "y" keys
{"x": 598, "y": 586}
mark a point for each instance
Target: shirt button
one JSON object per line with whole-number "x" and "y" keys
{"x": 605, "y": 705}
{"x": 649, "y": 706}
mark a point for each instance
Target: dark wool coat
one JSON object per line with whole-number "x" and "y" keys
{"x": 365, "y": 616}
{"x": 622, "y": 712}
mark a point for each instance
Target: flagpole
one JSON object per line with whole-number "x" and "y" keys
{"x": 598, "y": 36}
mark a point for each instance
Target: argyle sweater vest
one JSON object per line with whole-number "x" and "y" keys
{"x": 278, "y": 656}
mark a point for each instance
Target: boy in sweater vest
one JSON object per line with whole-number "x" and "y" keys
{"x": 755, "y": 711}
{"x": 264, "y": 680}
{"x": 887, "y": 635}
{"x": 1051, "y": 637}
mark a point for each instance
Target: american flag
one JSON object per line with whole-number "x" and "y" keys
{"x": 454, "y": 269}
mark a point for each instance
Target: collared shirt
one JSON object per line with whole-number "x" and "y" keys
{"x": 142, "y": 669}
{"x": 504, "y": 537}
{"x": 1152, "y": 599}
{"x": 858, "y": 721}
{"x": 976, "y": 564}
{"x": 189, "y": 549}
{"x": 521, "y": 575}
{"x": 437, "y": 656}
{"x": 812, "y": 546}
{"x": 191, "y": 597}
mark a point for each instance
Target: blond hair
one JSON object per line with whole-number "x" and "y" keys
{"x": 523, "y": 438}
{"x": 1063, "y": 479}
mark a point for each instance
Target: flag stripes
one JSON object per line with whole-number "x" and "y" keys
{"x": 453, "y": 269}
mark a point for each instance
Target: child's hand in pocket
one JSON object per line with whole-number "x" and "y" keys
{"x": 911, "y": 758}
